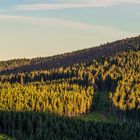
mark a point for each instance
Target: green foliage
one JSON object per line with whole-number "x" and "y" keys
{"x": 35, "y": 126}
{"x": 4, "y": 137}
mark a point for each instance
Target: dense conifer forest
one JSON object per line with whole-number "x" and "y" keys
{"x": 45, "y": 98}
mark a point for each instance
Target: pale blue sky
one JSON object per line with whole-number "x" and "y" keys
{"x": 33, "y": 28}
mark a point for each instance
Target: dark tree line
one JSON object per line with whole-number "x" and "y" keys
{"x": 35, "y": 126}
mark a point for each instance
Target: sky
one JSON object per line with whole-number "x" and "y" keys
{"x": 38, "y": 28}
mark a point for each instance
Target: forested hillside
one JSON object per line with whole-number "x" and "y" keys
{"x": 34, "y": 93}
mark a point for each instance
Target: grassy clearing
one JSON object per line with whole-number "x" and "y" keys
{"x": 101, "y": 113}
{"x": 97, "y": 117}
{"x": 4, "y": 137}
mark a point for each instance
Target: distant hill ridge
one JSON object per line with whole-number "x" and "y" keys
{"x": 67, "y": 59}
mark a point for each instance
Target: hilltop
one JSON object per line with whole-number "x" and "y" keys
{"x": 68, "y": 59}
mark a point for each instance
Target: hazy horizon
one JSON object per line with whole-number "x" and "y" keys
{"x": 34, "y": 28}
